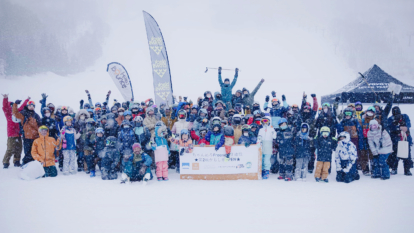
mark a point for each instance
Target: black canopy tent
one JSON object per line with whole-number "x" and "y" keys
{"x": 378, "y": 81}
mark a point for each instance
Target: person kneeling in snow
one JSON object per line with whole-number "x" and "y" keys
{"x": 109, "y": 159}
{"x": 345, "y": 157}
{"x": 137, "y": 166}
{"x": 43, "y": 150}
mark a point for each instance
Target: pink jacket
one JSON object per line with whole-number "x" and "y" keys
{"x": 13, "y": 129}
{"x": 161, "y": 154}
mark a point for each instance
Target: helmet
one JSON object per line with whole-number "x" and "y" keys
{"x": 138, "y": 118}
{"x": 344, "y": 134}
{"x": 67, "y": 118}
{"x": 89, "y": 110}
{"x": 305, "y": 126}
{"x": 236, "y": 117}
{"x": 245, "y": 127}
{"x": 358, "y": 103}
{"x": 111, "y": 141}
{"x": 64, "y": 108}
{"x": 348, "y": 111}
{"x": 46, "y": 109}
{"x": 127, "y": 112}
{"x": 396, "y": 111}
{"x": 90, "y": 121}
{"x": 268, "y": 119}
{"x": 281, "y": 121}
{"x": 43, "y": 127}
{"x": 184, "y": 131}
{"x": 99, "y": 130}
{"x": 325, "y": 129}
{"x": 86, "y": 105}
{"x": 228, "y": 131}
{"x": 31, "y": 102}
{"x": 372, "y": 109}
{"x": 202, "y": 111}
{"x": 182, "y": 112}
{"x": 159, "y": 123}
{"x": 51, "y": 106}
{"x": 98, "y": 104}
{"x": 202, "y": 128}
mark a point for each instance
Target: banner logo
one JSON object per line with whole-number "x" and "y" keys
{"x": 156, "y": 44}
{"x": 160, "y": 67}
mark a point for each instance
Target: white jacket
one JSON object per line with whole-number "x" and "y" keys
{"x": 346, "y": 150}
{"x": 265, "y": 137}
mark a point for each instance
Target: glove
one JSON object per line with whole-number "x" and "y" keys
{"x": 313, "y": 95}
{"x": 283, "y": 97}
{"x": 17, "y": 101}
{"x": 246, "y": 144}
{"x": 237, "y": 71}
{"x": 267, "y": 98}
{"x": 205, "y": 120}
{"x": 337, "y": 99}
{"x": 338, "y": 169}
{"x": 219, "y": 70}
{"x": 274, "y": 94}
{"x": 217, "y": 148}
{"x": 346, "y": 170}
{"x": 44, "y": 96}
{"x": 81, "y": 102}
{"x": 104, "y": 103}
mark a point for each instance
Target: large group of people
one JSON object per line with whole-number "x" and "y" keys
{"x": 133, "y": 138}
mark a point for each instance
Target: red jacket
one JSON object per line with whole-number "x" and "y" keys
{"x": 13, "y": 129}
{"x": 198, "y": 138}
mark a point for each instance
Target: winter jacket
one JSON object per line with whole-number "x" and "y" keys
{"x": 325, "y": 148}
{"x": 312, "y": 113}
{"x": 97, "y": 144}
{"x": 295, "y": 122}
{"x": 199, "y": 139}
{"x": 150, "y": 122}
{"x": 248, "y": 100}
{"x": 126, "y": 138}
{"x": 327, "y": 119}
{"x": 88, "y": 134}
{"x": 302, "y": 144}
{"x": 251, "y": 139}
{"x": 43, "y": 150}
{"x": 237, "y": 133}
{"x": 277, "y": 113}
{"x": 394, "y": 128}
{"x": 168, "y": 121}
{"x": 186, "y": 145}
{"x": 110, "y": 157}
{"x": 30, "y": 121}
{"x": 226, "y": 89}
{"x": 143, "y": 136}
{"x": 379, "y": 141}
{"x": 285, "y": 142}
{"x": 69, "y": 137}
{"x": 13, "y": 129}
{"x": 199, "y": 123}
{"x": 354, "y": 129}
{"x": 215, "y": 138}
{"x": 119, "y": 119}
{"x": 51, "y": 124}
{"x": 161, "y": 150}
{"x": 178, "y": 126}
{"x": 111, "y": 127}
{"x": 345, "y": 151}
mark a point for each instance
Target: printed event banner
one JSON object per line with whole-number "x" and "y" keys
{"x": 121, "y": 79}
{"x": 207, "y": 163}
{"x": 159, "y": 61}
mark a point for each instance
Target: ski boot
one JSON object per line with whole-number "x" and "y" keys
{"x": 61, "y": 168}
{"x": 6, "y": 166}
{"x": 407, "y": 172}
{"x": 310, "y": 171}
{"x": 265, "y": 174}
{"x": 366, "y": 172}
{"x": 375, "y": 177}
{"x": 147, "y": 177}
{"x": 325, "y": 181}
{"x": 317, "y": 179}
{"x": 125, "y": 179}
{"x": 281, "y": 177}
{"x": 288, "y": 179}
{"x": 17, "y": 164}
{"x": 394, "y": 172}
{"x": 87, "y": 172}
{"x": 159, "y": 178}
{"x": 92, "y": 174}
{"x": 166, "y": 179}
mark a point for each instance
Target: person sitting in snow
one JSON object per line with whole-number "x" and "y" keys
{"x": 345, "y": 158}
{"x": 137, "y": 166}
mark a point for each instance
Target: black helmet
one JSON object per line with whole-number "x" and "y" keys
{"x": 396, "y": 111}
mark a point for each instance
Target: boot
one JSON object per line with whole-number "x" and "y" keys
{"x": 366, "y": 172}
{"x": 79, "y": 169}
{"x": 125, "y": 178}
{"x": 281, "y": 177}
{"x": 265, "y": 174}
{"x": 6, "y": 166}
{"x": 407, "y": 172}
{"x": 325, "y": 181}
{"x": 394, "y": 172}
{"x": 165, "y": 178}
{"x": 288, "y": 179}
{"x": 92, "y": 174}
{"x": 17, "y": 164}
{"x": 310, "y": 171}
{"x": 159, "y": 178}
{"x": 317, "y": 179}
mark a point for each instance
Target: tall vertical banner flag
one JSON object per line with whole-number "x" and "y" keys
{"x": 159, "y": 61}
{"x": 121, "y": 79}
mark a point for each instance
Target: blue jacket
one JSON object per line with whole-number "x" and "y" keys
{"x": 143, "y": 136}
{"x": 325, "y": 148}
{"x": 285, "y": 142}
{"x": 160, "y": 140}
{"x": 351, "y": 123}
{"x": 251, "y": 139}
{"x": 110, "y": 157}
{"x": 215, "y": 138}
{"x": 126, "y": 138}
{"x": 276, "y": 113}
{"x": 302, "y": 145}
{"x": 226, "y": 89}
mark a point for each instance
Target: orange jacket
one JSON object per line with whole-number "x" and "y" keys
{"x": 32, "y": 123}
{"x": 43, "y": 150}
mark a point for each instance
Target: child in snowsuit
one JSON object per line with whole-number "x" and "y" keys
{"x": 185, "y": 143}
{"x": 97, "y": 144}
{"x": 126, "y": 138}
{"x": 43, "y": 151}
{"x": 284, "y": 143}
{"x": 228, "y": 139}
{"x": 247, "y": 138}
{"x": 380, "y": 145}
{"x": 302, "y": 152}
{"x": 137, "y": 167}
{"x": 69, "y": 136}
{"x": 345, "y": 158}
{"x": 161, "y": 152}
{"x": 109, "y": 159}
{"x": 200, "y": 140}
{"x": 325, "y": 145}
{"x": 177, "y": 128}
{"x": 88, "y": 134}
{"x": 215, "y": 136}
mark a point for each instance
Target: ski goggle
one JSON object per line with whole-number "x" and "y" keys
{"x": 31, "y": 103}
{"x": 348, "y": 113}
{"x": 325, "y": 134}
{"x": 120, "y": 111}
{"x": 265, "y": 120}
{"x": 98, "y": 109}
{"x": 108, "y": 142}
{"x": 181, "y": 116}
{"x": 64, "y": 108}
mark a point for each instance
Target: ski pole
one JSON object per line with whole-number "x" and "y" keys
{"x": 214, "y": 69}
